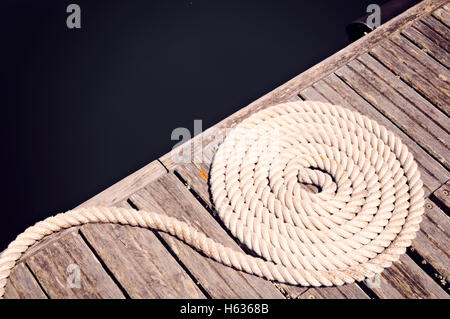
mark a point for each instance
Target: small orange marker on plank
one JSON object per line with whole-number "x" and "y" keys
{"x": 437, "y": 43}
{"x": 203, "y": 174}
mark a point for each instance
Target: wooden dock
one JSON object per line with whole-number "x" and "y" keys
{"x": 397, "y": 75}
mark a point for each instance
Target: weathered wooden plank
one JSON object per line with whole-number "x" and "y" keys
{"x": 56, "y": 267}
{"x": 443, "y": 14}
{"x": 127, "y": 186}
{"x": 292, "y": 87}
{"x": 196, "y": 176}
{"x": 340, "y": 292}
{"x": 169, "y": 196}
{"x": 420, "y": 61}
{"x": 334, "y": 90}
{"x": 405, "y": 279}
{"x": 416, "y": 68}
{"x": 432, "y": 241}
{"x": 442, "y": 194}
{"x": 393, "y": 98}
{"x": 46, "y": 241}
{"x": 22, "y": 285}
{"x": 405, "y": 91}
{"x": 437, "y": 26}
{"x": 139, "y": 261}
{"x": 429, "y": 41}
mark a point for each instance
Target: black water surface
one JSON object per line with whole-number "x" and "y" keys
{"x": 81, "y": 109}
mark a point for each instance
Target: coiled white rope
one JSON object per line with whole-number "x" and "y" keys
{"x": 364, "y": 217}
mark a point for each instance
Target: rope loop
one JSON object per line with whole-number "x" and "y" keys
{"x": 366, "y": 211}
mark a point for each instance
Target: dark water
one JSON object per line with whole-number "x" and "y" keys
{"x": 81, "y": 109}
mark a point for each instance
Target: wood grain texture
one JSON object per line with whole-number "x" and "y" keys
{"x": 406, "y": 280}
{"x": 436, "y": 25}
{"x": 416, "y": 68}
{"x": 50, "y": 266}
{"x": 46, "y": 241}
{"x": 418, "y": 118}
{"x": 443, "y": 14}
{"x": 127, "y": 186}
{"x": 169, "y": 196}
{"x": 342, "y": 292}
{"x": 22, "y": 285}
{"x": 139, "y": 261}
{"x": 442, "y": 195}
{"x": 432, "y": 241}
{"x": 332, "y": 89}
{"x": 429, "y": 41}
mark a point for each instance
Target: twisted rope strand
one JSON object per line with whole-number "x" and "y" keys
{"x": 366, "y": 213}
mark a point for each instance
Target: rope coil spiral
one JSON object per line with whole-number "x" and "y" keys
{"x": 364, "y": 216}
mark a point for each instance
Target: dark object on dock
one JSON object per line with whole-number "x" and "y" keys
{"x": 390, "y": 9}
